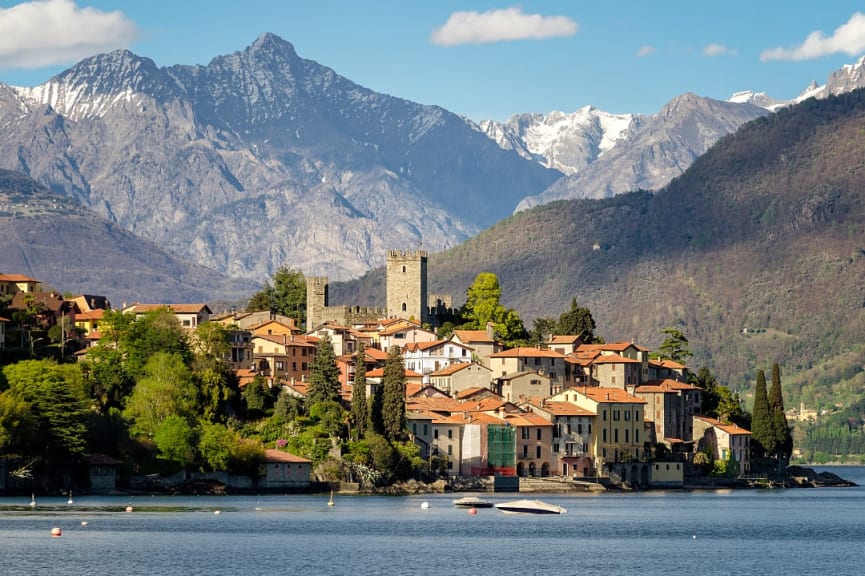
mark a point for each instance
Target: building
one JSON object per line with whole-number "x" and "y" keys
{"x": 547, "y": 362}
{"x": 319, "y": 310}
{"x": 429, "y": 357}
{"x": 461, "y": 376}
{"x": 534, "y": 441}
{"x": 282, "y": 359}
{"x": 481, "y": 341}
{"x": 724, "y": 441}
{"x": 400, "y": 332}
{"x": 671, "y": 406}
{"x": 523, "y": 385}
{"x": 407, "y": 285}
{"x": 13, "y": 283}
{"x": 190, "y": 316}
{"x": 572, "y": 436}
{"x": 285, "y": 471}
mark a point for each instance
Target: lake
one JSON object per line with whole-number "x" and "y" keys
{"x": 795, "y": 531}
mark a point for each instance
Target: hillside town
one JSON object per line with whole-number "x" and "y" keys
{"x": 595, "y": 412}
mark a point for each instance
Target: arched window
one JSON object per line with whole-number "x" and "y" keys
{"x": 404, "y": 307}
{"x": 403, "y": 269}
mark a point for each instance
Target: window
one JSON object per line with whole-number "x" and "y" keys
{"x": 404, "y": 307}
{"x": 605, "y": 415}
{"x": 304, "y": 366}
{"x": 524, "y": 434}
{"x": 627, "y": 415}
{"x": 579, "y": 428}
{"x": 425, "y": 430}
{"x": 616, "y": 415}
{"x": 294, "y": 366}
{"x": 555, "y": 447}
{"x": 590, "y": 427}
{"x": 552, "y": 375}
{"x": 539, "y": 434}
{"x": 616, "y": 435}
{"x": 414, "y": 428}
{"x": 537, "y": 361}
{"x": 525, "y": 451}
{"x": 436, "y": 434}
{"x": 604, "y": 435}
{"x": 450, "y": 450}
{"x": 450, "y": 434}
{"x": 636, "y": 436}
{"x": 626, "y": 435}
{"x": 537, "y": 451}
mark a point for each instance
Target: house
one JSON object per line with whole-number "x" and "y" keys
{"x": 564, "y": 344}
{"x": 190, "y": 316}
{"x": 534, "y": 441}
{"x": 88, "y": 321}
{"x": 624, "y": 349}
{"x": 285, "y": 471}
{"x": 540, "y": 360}
{"x": 432, "y": 356}
{"x": 421, "y": 429}
{"x": 90, "y": 302}
{"x": 282, "y": 359}
{"x": 520, "y": 386}
{"x": 461, "y": 376}
{"x": 671, "y": 405}
{"x": 249, "y": 320}
{"x": 103, "y": 473}
{"x": 347, "y": 364}
{"x": 481, "y": 341}
{"x": 402, "y": 333}
{"x": 274, "y": 328}
{"x": 615, "y": 371}
{"x": 10, "y": 284}
{"x": 240, "y": 348}
{"x": 447, "y": 441}
{"x": 667, "y": 369}
{"x": 345, "y": 339}
{"x": 51, "y": 307}
{"x": 724, "y": 441}
{"x": 572, "y": 435}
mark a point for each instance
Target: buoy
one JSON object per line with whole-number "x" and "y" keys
{"x": 129, "y": 508}
{"x": 694, "y": 536}
{"x": 84, "y": 522}
{"x": 424, "y": 505}
{"x": 33, "y": 500}
{"x": 217, "y": 512}
{"x": 473, "y": 511}
{"x": 70, "y": 501}
{"x": 330, "y": 502}
{"x": 56, "y": 532}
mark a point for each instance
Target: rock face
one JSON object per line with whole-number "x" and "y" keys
{"x": 260, "y": 159}
{"x": 654, "y": 150}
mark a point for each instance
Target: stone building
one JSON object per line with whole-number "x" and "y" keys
{"x": 407, "y": 285}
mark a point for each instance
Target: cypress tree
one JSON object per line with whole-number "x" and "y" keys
{"x": 323, "y": 374}
{"x": 359, "y": 409}
{"x": 762, "y": 430}
{"x": 780, "y": 428}
{"x": 393, "y": 397}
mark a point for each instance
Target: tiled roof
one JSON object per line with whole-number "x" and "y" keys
{"x": 17, "y": 278}
{"x": 176, "y": 308}
{"x": 527, "y": 419}
{"x": 273, "y": 455}
{"x": 479, "y": 336}
{"x": 559, "y": 408}
{"x": 614, "y": 359}
{"x": 285, "y": 339}
{"x": 527, "y": 352}
{"x": 669, "y": 364}
{"x": 731, "y": 429}
{"x": 666, "y": 385}
{"x": 564, "y": 339}
{"x": 471, "y": 392}
{"x": 452, "y": 369}
{"x": 608, "y": 395}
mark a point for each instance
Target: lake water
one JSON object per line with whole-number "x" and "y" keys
{"x": 797, "y": 531}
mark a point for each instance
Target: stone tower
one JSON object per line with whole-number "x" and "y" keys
{"x": 316, "y": 300}
{"x": 407, "y": 285}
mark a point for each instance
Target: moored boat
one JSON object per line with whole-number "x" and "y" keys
{"x": 529, "y": 507}
{"x": 472, "y": 502}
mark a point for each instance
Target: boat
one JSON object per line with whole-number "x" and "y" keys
{"x": 529, "y": 507}
{"x": 472, "y": 502}
{"x": 330, "y": 502}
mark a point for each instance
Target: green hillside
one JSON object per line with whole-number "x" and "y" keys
{"x": 757, "y": 253}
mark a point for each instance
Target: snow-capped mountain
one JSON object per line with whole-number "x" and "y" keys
{"x": 565, "y": 142}
{"x": 260, "y": 159}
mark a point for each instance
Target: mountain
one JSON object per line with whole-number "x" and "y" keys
{"x": 53, "y": 239}
{"x": 260, "y": 159}
{"x": 756, "y": 252}
{"x": 604, "y": 154}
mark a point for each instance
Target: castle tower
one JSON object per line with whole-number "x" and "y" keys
{"x": 407, "y": 285}
{"x": 316, "y": 300}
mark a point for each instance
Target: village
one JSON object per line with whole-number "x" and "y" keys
{"x": 593, "y": 414}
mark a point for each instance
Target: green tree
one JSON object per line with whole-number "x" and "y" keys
{"x": 175, "y": 439}
{"x": 376, "y": 411}
{"x": 215, "y": 445}
{"x": 324, "y": 383}
{"x": 780, "y": 428}
{"x": 674, "y": 347}
{"x": 393, "y": 398}
{"x": 359, "y": 408}
{"x": 483, "y": 306}
{"x": 17, "y": 424}
{"x": 542, "y": 328}
{"x": 577, "y": 321}
{"x": 287, "y": 296}
{"x": 166, "y": 389}
{"x": 58, "y": 404}
{"x": 255, "y": 397}
{"x": 762, "y": 429}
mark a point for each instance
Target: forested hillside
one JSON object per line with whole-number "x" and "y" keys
{"x": 757, "y": 253}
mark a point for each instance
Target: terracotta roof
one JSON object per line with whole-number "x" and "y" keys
{"x": 273, "y": 455}
{"x": 467, "y": 336}
{"x": 452, "y": 369}
{"x": 669, "y": 364}
{"x": 96, "y": 314}
{"x": 2, "y": 319}
{"x": 731, "y": 429}
{"x": 614, "y": 359}
{"x": 176, "y": 308}
{"x": 560, "y": 408}
{"x": 514, "y": 375}
{"x": 527, "y": 419}
{"x": 17, "y": 278}
{"x": 462, "y": 394}
{"x": 666, "y": 385}
{"x": 564, "y": 339}
{"x": 527, "y": 352}
{"x": 608, "y": 395}
{"x": 613, "y": 347}
{"x": 379, "y": 373}
{"x": 285, "y": 339}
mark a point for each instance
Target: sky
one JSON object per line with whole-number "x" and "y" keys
{"x": 482, "y": 59}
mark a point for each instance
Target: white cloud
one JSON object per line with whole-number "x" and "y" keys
{"x": 645, "y": 50}
{"x": 500, "y": 25}
{"x": 50, "y": 32}
{"x": 717, "y": 50}
{"x": 848, "y": 38}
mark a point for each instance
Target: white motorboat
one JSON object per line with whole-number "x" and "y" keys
{"x": 472, "y": 502}
{"x": 529, "y": 507}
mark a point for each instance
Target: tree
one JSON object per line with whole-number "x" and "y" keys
{"x": 287, "y": 296}
{"x": 780, "y": 428}
{"x": 324, "y": 383}
{"x": 711, "y": 397}
{"x": 762, "y": 430}
{"x": 542, "y": 328}
{"x": 255, "y": 397}
{"x": 215, "y": 444}
{"x": 166, "y": 389}
{"x": 577, "y": 321}
{"x": 393, "y": 398}
{"x": 175, "y": 439}
{"x": 483, "y": 306}
{"x": 17, "y": 424}
{"x": 359, "y": 408}
{"x": 674, "y": 347}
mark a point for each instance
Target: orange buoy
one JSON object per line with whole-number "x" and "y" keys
{"x": 56, "y": 532}
{"x": 473, "y": 511}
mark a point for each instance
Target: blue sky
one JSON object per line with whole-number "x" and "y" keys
{"x": 486, "y": 60}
